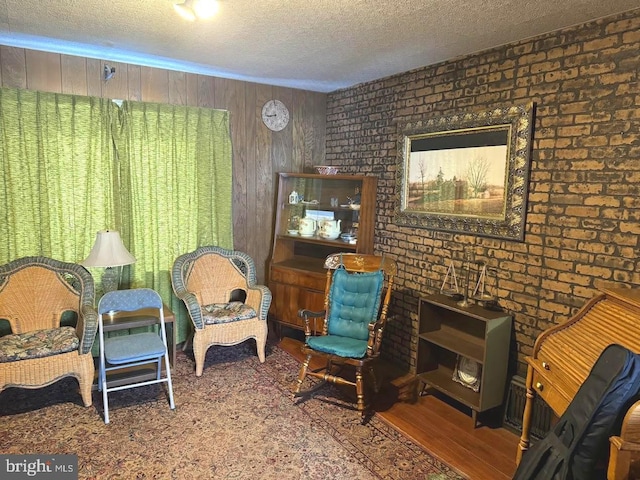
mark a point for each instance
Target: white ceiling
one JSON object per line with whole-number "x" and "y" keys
{"x": 319, "y": 45}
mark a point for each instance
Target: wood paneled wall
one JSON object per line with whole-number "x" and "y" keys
{"x": 258, "y": 153}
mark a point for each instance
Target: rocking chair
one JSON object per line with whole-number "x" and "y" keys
{"x": 356, "y": 305}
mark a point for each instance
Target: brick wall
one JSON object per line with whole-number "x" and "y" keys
{"x": 583, "y": 213}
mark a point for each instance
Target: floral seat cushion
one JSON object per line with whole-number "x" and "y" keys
{"x": 38, "y": 344}
{"x": 226, "y": 312}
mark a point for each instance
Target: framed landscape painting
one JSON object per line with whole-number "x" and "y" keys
{"x": 466, "y": 173}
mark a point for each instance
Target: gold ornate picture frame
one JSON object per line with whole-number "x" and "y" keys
{"x": 466, "y": 173}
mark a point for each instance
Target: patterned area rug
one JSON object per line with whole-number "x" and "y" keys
{"x": 238, "y": 421}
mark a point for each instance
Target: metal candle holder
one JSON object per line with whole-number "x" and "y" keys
{"x": 465, "y": 300}
{"x": 480, "y": 293}
{"x": 450, "y": 280}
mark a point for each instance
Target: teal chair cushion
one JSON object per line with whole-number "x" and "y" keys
{"x": 341, "y": 346}
{"x": 354, "y": 301}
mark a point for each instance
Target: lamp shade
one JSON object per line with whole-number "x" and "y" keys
{"x": 108, "y": 251}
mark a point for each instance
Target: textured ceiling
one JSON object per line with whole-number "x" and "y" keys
{"x": 320, "y": 45}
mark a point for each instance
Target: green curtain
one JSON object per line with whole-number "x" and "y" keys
{"x": 159, "y": 174}
{"x": 56, "y": 155}
{"x": 176, "y": 187}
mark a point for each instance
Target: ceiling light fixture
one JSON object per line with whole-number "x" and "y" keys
{"x": 196, "y": 9}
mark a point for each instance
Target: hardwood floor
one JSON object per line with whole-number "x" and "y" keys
{"x": 444, "y": 430}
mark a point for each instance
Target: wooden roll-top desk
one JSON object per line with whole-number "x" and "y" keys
{"x": 563, "y": 356}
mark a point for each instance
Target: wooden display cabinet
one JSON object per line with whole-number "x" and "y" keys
{"x": 297, "y": 276}
{"x": 450, "y": 334}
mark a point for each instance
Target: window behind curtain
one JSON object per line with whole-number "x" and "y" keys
{"x": 56, "y": 158}
{"x": 176, "y": 180}
{"x": 159, "y": 174}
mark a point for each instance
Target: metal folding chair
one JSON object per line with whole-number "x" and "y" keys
{"x": 132, "y": 350}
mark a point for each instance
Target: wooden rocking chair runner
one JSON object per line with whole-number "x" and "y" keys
{"x": 357, "y": 296}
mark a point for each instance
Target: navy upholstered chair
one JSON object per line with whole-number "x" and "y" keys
{"x": 357, "y": 296}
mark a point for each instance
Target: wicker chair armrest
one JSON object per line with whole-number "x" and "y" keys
{"x": 259, "y": 298}
{"x": 193, "y": 307}
{"x": 87, "y": 327}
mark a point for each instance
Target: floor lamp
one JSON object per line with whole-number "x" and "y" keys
{"x": 110, "y": 253}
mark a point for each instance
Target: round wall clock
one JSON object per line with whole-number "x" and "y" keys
{"x": 275, "y": 115}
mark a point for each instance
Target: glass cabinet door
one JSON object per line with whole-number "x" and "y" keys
{"x": 320, "y": 208}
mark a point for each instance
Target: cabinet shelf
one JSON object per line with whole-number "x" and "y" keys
{"x": 319, "y": 206}
{"x": 442, "y": 380}
{"x": 316, "y": 240}
{"x": 457, "y": 341}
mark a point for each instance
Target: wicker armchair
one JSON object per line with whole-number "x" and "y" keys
{"x": 226, "y": 306}
{"x": 35, "y": 293}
